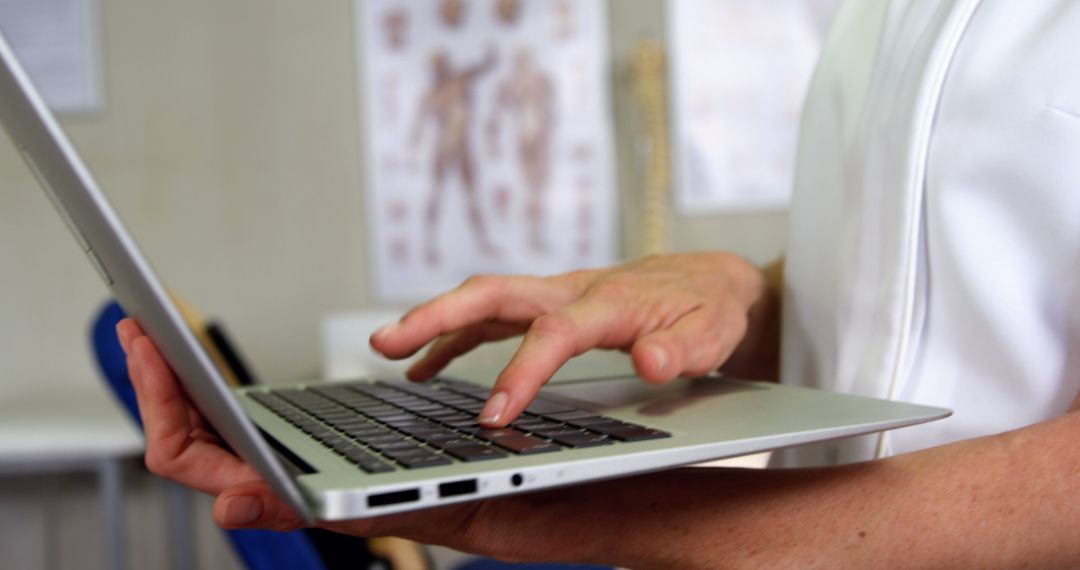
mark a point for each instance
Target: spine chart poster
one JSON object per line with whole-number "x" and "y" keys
{"x": 740, "y": 70}
{"x": 488, "y": 127}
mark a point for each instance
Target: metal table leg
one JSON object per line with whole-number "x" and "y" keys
{"x": 111, "y": 485}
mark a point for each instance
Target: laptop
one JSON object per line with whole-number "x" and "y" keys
{"x": 371, "y": 447}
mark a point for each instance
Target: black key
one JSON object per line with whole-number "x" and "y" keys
{"x": 571, "y": 415}
{"x": 457, "y": 401}
{"x": 366, "y": 432}
{"x": 409, "y": 422}
{"x": 492, "y": 434}
{"x": 391, "y": 416}
{"x": 475, "y": 452}
{"x": 524, "y": 445}
{"x": 395, "y": 384}
{"x": 320, "y": 432}
{"x": 458, "y": 417}
{"x": 368, "y": 462}
{"x": 433, "y": 433}
{"x": 558, "y": 432}
{"x": 353, "y": 424}
{"x": 373, "y": 409}
{"x": 452, "y": 442}
{"x": 589, "y": 420}
{"x": 427, "y": 459}
{"x": 387, "y": 438}
{"x": 414, "y": 451}
{"x": 472, "y": 408}
{"x": 399, "y": 445}
{"x": 583, "y": 440}
{"x": 466, "y": 389}
{"x": 614, "y": 426}
{"x": 538, "y": 426}
{"x": 467, "y": 422}
{"x": 406, "y": 402}
{"x": 342, "y": 446}
{"x": 340, "y": 416}
{"x": 424, "y": 407}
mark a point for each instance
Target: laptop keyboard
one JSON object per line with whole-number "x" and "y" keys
{"x": 385, "y": 426}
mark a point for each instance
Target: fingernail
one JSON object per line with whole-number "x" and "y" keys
{"x": 241, "y": 511}
{"x": 386, "y": 330}
{"x": 494, "y": 409}
{"x": 660, "y": 356}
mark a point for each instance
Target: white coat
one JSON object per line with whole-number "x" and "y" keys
{"x": 934, "y": 246}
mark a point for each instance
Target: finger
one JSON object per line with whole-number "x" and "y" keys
{"x": 174, "y": 447}
{"x": 694, "y": 345}
{"x": 128, "y": 330}
{"x": 484, "y": 298}
{"x": 452, "y": 345}
{"x": 254, "y": 505}
{"x": 551, "y": 341}
{"x": 157, "y": 391}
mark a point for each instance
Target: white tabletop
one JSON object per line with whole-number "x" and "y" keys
{"x": 77, "y": 424}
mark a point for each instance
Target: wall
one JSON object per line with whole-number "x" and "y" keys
{"x": 231, "y": 144}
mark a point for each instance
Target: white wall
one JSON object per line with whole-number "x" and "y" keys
{"x": 231, "y": 144}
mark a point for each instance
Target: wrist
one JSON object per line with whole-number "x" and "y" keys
{"x": 758, "y": 355}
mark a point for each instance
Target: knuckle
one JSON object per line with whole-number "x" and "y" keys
{"x": 156, "y": 463}
{"x": 616, "y": 288}
{"x": 484, "y": 282}
{"x": 555, "y": 326}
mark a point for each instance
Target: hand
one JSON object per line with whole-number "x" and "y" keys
{"x": 181, "y": 447}
{"x": 676, "y": 315}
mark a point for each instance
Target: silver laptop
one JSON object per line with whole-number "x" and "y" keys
{"x": 366, "y": 448}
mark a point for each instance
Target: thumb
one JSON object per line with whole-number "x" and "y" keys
{"x": 254, "y": 505}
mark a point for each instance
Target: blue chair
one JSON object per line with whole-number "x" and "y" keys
{"x": 258, "y": 549}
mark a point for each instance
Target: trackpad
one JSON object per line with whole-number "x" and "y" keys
{"x": 630, "y": 391}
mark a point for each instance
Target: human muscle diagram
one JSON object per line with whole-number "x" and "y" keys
{"x": 449, "y": 104}
{"x": 489, "y": 139}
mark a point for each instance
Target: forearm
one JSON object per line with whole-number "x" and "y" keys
{"x": 996, "y": 502}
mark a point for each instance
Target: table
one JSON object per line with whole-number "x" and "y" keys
{"x": 76, "y": 429}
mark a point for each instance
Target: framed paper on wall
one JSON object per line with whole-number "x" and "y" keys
{"x": 740, "y": 70}
{"x": 489, "y": 139}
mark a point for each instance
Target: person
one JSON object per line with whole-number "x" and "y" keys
{"x": 932, "y": 248}
{"x": 528, "y": 95}
{"x": 449, "y": 104}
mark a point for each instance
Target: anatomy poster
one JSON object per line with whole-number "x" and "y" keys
{"x": 740, "y": 70}
{"x": 489, "y": 139}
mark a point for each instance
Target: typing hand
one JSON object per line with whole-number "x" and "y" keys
{"x": 676, "y": 315}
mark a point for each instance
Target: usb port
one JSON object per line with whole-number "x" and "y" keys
{"x": 384, "y": 499}
{"x": 455, "y": 488}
